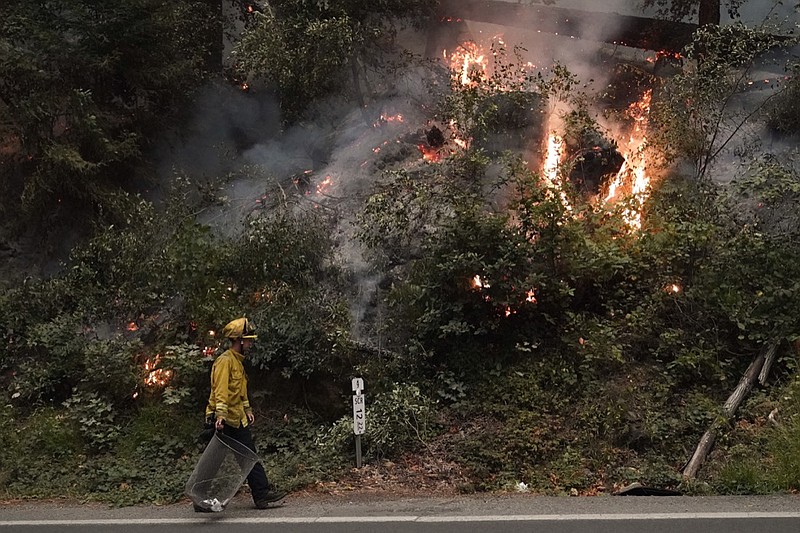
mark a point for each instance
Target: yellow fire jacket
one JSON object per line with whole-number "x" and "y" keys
{"x": 228, "y": 398}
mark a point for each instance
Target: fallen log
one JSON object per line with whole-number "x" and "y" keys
{"x": 756, "y": 369}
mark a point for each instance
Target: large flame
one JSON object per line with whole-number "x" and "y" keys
{"x": 555, "y": 151}
{"x": 551, "y": 167}
{"x": 633, "y": 173}
{"x": 469, "y": 63}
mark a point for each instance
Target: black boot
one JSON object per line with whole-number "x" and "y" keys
{"x": 270, "y": 497}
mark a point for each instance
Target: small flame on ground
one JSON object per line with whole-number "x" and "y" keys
{"x": 430, "y": 153}
{"x": 156, "y": 377}
{"x": 385, "y": 119}
{"x": 325, "y": 184}
{"x": 132, "y": 326}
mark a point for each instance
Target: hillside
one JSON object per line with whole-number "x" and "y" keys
{"x": 551, "y": 265}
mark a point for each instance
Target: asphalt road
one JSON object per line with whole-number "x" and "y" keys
{"x": 365, "y": 513}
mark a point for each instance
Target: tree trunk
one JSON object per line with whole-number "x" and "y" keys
{"x": 728, "y": 410}
{"x": 709, "y": 12}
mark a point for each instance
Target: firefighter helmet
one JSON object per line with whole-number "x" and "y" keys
{"x": 241, "y": 328}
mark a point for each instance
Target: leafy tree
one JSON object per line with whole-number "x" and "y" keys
{"x": 696, "y": 115}
{"x": 84, "y": 85}
{"x": 303, "y": 49}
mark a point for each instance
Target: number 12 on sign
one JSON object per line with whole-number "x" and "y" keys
{"x": 359, "y": 414}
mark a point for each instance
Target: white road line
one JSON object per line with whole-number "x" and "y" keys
{"x": 408, "y": 518}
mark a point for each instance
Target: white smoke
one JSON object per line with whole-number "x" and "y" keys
{"x": 339, "y": 149}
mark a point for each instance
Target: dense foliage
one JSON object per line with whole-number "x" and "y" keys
{"x": 329, "y": 39}
{"x": 527, "y": 332}
{"x": 84, "y": 87}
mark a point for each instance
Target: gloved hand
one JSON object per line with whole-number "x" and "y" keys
{"x": 209, "y": 429}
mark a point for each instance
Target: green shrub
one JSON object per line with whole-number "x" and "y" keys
{"x": 96, "y": 419}
{"x": 42, "y": 455}
{"x": 297, "y": 451}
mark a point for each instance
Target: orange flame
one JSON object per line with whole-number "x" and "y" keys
{"x": 550, "y": 170}
{"x": 458, "y": 141}
{"x": 555, "y": 151}
{"x": 468, "y": 63}
{"x": 429, "y": 153}
{"x": 477, "y": 283}
{"x": 156, "y": 377}
{"x": 325, "y": 184}
{"x": 634, "y": 169}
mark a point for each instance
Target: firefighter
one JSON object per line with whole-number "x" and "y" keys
{"x": 229, "y": 407}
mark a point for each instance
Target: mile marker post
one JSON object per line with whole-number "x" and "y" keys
{"x": 359, "y": 416}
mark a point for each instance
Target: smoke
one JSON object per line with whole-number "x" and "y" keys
{"x": 236, "y": 144}
{"x": 343, "y": 148}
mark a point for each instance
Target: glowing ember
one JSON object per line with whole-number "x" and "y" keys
{"x": 324, "y": 185}
{"x": 477, "y": 283}
{"x": 385, "y": 119}
{"x": 430, "y": 153}
{"x": 132, "y": 326}
{"x": 669, "y": 54}
{"x": 673, "y": 288}
{"x": 530, "y": 296}
{"x": 156, "y": 377}
{"x": 468, "y": 63}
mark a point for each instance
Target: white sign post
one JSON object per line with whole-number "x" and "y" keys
{"x": 359, "y": 416}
